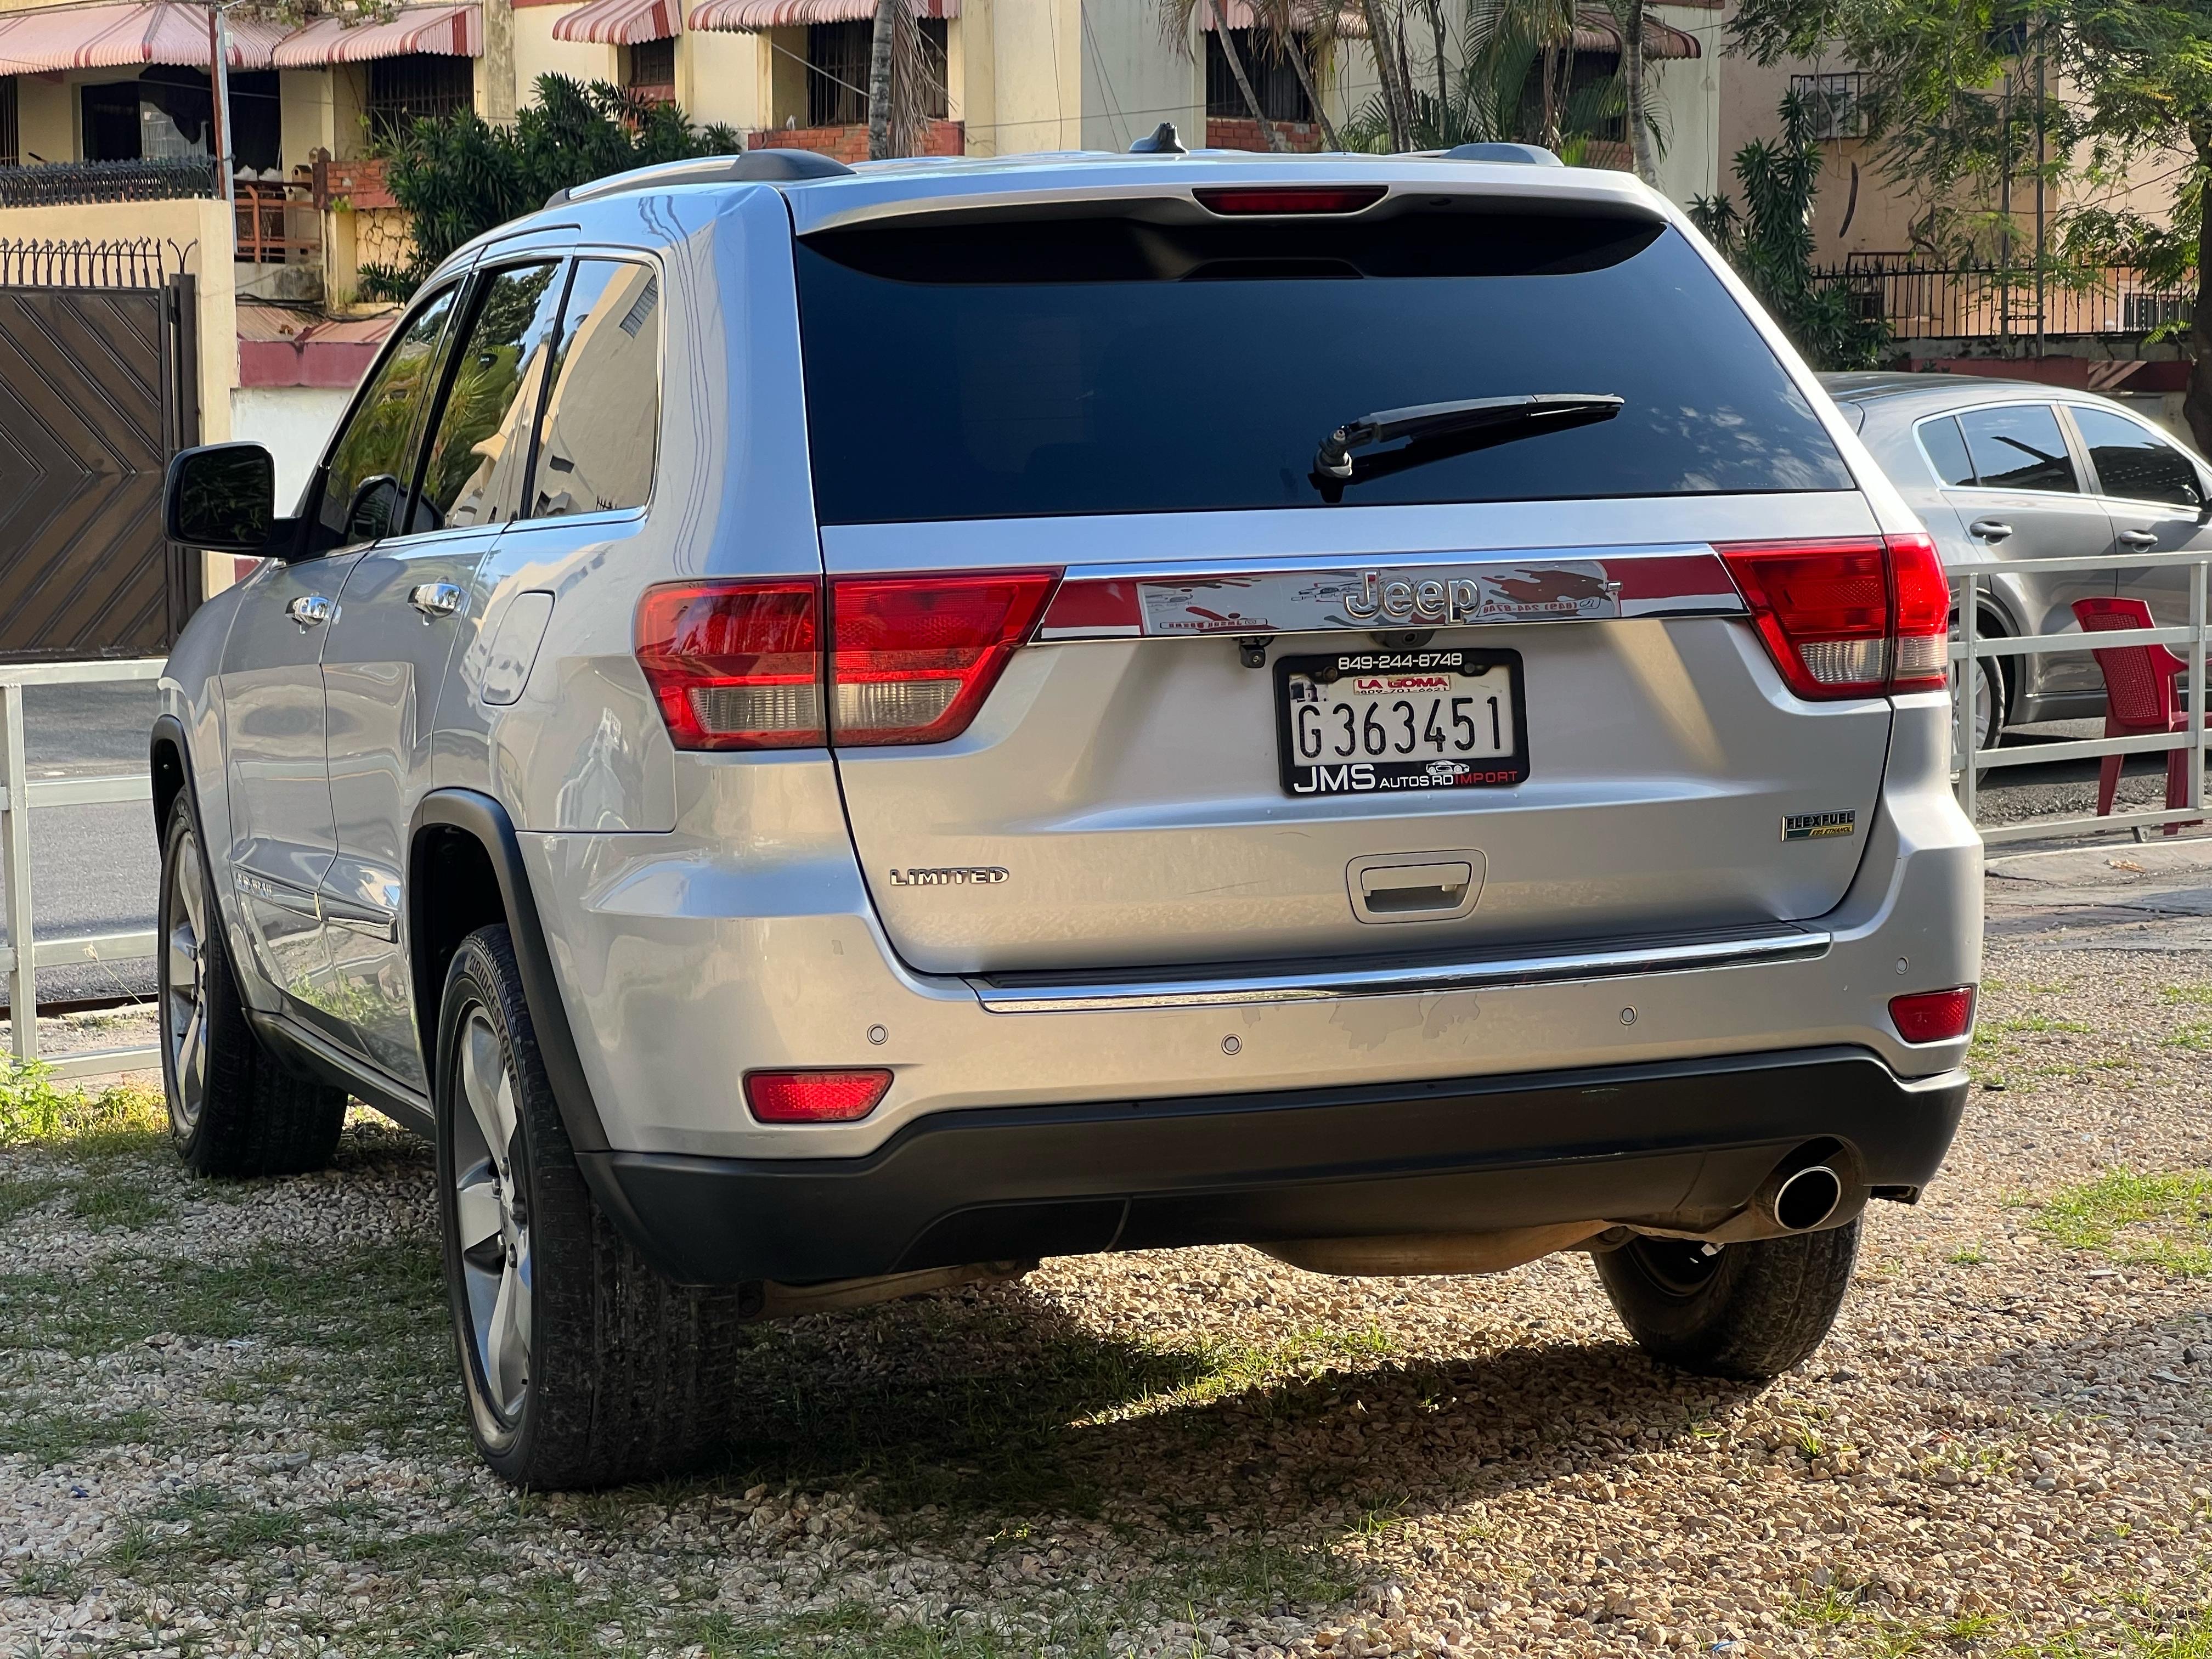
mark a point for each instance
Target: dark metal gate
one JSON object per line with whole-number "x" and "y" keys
{"x": 99, "y": 386}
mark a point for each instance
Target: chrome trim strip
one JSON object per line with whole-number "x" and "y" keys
{"x": 1615, "y": 960}
{"x": 362, "y": 919}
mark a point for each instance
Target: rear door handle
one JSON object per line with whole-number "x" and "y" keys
{"x": 1990, "y": 530}
{"x": 2141, "y": 538}
{"x": 310, "y": 611}
{"x": 434, "y": 598}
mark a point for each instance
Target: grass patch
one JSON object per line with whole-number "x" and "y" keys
{"x": 2196, "y": 1035}
{"x": 2194, "y": 996}
{"x": 36, "y": 1111}
{"x": 2155, "y": 1220}
{"x": 20, "y": 1194}
{"x": 55, "y": 1437}
{"x": 120, "y": 1204}
{"x": 2031, "y": 1025}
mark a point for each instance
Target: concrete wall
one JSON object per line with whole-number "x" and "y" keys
{"x": 45, "y": 117}
{"x": 719, "y": 77}
{"x": 537, "y": 53}
{"x": 293, "y": 422}
{"x": 1687, "y": 92}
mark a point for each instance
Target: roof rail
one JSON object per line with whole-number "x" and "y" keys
{"x": 1531, "y": 156}
{"x": 755, "y": 167}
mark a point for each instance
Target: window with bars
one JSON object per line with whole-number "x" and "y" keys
{"x": 1833, "y": 103}
{"x": 418, "y": 86}
{"x": 11, "y": 142}
{"x": 837, "y": 64}
{"x": 650, "y": 67}
{"x": 1275, "y": 79}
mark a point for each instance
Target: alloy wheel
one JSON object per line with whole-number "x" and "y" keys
{"x": 183, "y": 991}
{"x": 492, "y": 1218}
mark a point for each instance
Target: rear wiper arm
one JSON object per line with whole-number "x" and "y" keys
{"x": 1334, "y": 459}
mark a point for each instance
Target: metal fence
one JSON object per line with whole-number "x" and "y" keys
{"x": 54, "y": 183}
{"x": 1917, "y": 300}
{"x": 136, "y": 262}
{"x": 19, "y": 796}
{"x": 1968, "y": 646}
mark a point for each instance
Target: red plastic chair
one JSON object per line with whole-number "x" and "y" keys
{"x": 2139, "y": 695}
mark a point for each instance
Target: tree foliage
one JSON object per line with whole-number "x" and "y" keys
{"x": 2093, "y": 95}
{"x": 457, "y": 176}
{"x": 1506, "y": 74}
{"x": 1770, "y": 242}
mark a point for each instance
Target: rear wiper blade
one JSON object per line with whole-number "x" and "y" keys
{"x": 1334, "y": 459}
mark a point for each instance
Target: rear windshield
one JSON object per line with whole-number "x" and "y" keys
{"x": 1110, "y": 365}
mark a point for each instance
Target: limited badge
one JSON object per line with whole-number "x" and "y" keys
{"x": 1819, "y": 826}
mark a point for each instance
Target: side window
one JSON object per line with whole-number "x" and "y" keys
{"x": 481, "y": 445}
{"x": 366, "y": 482}
{"x": 1946, "y": 451}
{"x": 603, "y": 419}
{"x": 2135, "y": 462}
{"x": 2018, "y": 449}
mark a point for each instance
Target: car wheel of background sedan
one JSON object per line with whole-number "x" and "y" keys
{"x": 1750, "y": 1311}
{"x": 233, "y": 1109}
{"x": 583, "y": 1367}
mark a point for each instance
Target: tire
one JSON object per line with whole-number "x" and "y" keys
{"x": 582, "y": 1366}
{"x": 235, "y": 1109}
{"x": 1749, "y": 1311}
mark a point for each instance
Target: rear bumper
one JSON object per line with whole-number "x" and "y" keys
{"x": 1679, "y": 1143}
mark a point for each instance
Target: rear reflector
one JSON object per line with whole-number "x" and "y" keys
{"x": 1847, "y": 618}
{"x": 814, "y": 1096}
{"x": 1934, "y": 1015}
{"x": 735, "y": 665}
{"x": 913, "y": 657}
{"x": 1295, "y": 198}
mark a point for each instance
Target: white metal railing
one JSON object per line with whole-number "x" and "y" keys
{"x": 25, "y": 953}
{"x": 1968, "y": 646}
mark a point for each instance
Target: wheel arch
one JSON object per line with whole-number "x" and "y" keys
{"x": 169, "y": 768}
{"x": 464, "y": 871}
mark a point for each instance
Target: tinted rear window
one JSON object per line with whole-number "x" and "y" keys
{"x": 994, "y": 370}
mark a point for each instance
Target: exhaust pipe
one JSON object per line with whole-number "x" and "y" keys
{"x": 1802, "y": 1200}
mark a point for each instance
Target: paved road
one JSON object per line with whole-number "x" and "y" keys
{"x": 94, "y": 869}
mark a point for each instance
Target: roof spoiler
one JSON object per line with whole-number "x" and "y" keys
{"x": 756, "y": 167}
{"x": 1530, "y": 155}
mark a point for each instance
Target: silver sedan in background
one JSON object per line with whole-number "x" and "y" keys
{"x": 2015, "y": 470}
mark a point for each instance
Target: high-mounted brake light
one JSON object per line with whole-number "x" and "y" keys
{"x": 814, "y": 1096}
{"x": 1934, "y": 1015}
{"x": 1853, "y": 617}
{"x": 913, "y": 657}
{"x": 1288, "y": 198}
{"x": 735, "y": 665}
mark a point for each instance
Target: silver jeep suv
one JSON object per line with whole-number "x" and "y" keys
{"x": 829, "y": 732}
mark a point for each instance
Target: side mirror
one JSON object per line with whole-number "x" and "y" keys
{"x": 220, "y": 497}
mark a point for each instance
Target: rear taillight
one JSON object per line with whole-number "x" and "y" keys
{"x": 912, "y": 658}
{"x": 1924, "y": 615}
{"x": 906, "y": 659}
{"x": 1934, "y": 1015}
{"x": 814, "y": 1096}
{"x": 1847, "y": 618}
{"x": 735, "y": 665}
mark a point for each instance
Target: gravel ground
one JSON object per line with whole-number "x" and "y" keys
{"x": 229, "y": 1426}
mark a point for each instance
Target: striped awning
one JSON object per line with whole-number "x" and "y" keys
{"x": 1596, "y": 33}
{"x": 107, "y": 37}
{"x": 1351, "y": 21}
{"x": 619, "y": 22}
{"x": 750, "y": 16}
{"x": 444, "y": 31}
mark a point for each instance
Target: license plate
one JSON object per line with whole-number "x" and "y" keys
{"x": 1375, "y": 723}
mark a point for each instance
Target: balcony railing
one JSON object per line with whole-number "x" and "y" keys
{"x": 279, "y": 224}
{"x": 1924, "y": 301}
{"x": 54, "y": 183}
